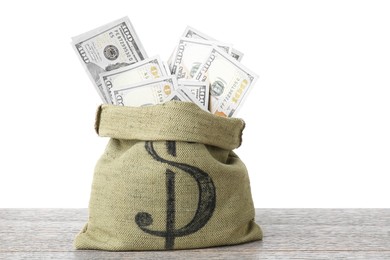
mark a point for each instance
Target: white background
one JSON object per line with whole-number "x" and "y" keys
{"x": 318, "y": 119}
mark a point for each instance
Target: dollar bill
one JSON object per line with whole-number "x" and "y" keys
{"x": 191, "y": 98}
{"x": 166, "y": 68}
{"x": 229, "y": 82}
{"x": 146, "y": 93}
{"x": 190, "y": 54}
{"x": 170, "y": 59}
{"x": 150, "y": 68}
{"x": 191, "y": 32}
{"x": 184, "y": 95}
{"x": 200, "y": 90}
{"x": 176, "y": 96}
{"x": 106, "y": 48}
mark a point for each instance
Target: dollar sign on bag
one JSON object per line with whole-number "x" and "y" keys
{"x": 206, "y": 203}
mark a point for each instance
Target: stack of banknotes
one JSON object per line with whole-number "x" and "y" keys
{"x": 201, "y": 70}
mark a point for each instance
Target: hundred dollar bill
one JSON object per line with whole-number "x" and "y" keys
{"x": 191, "y": 98}
{"x": 146, "y": 93}
{"x": 176, "y": 96}
{"x": 190, "y": 32}
{"x": 166, "y": 67}
{"x": 150, "y": 68}
{"x": 190, "y": 54}
{"x": 107, "y": 48}
{"x": 229, "y": 82}
{"x": 170, "y": 59}
{"x": 199, "y": 89}
{"x": 184, "y": 95}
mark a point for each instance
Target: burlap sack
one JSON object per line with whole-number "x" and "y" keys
{"x": 168, "y": 180}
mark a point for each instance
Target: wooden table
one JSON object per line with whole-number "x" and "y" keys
{"x": 288, "y": 234}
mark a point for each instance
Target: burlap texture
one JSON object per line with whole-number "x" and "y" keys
{"x": 168, "y": 180}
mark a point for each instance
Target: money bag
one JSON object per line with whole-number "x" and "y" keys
{"x": 168, "y": 179}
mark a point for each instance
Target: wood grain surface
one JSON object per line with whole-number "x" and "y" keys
{"x": 288, "y": 234}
